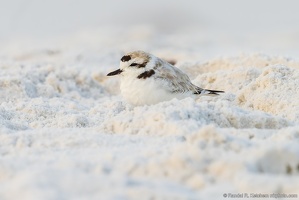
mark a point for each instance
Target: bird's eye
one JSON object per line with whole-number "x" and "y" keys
{"x": 133, "y": 64}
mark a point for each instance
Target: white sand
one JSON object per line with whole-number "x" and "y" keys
{"x": 66, "y": 132}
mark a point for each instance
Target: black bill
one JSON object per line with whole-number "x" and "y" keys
{"x": 116, "y": 72}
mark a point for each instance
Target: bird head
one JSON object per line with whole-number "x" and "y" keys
{"x": 133, "y": 63}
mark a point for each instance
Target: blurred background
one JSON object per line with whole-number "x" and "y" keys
{"x": 220, "y": 26}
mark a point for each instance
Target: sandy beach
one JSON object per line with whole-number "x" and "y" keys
{"x": 67, "y": 133}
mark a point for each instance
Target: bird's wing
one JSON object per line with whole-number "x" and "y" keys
{"x": 174, "y": 80}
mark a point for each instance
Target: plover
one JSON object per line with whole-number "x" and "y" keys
{"x": 147, "y": 79}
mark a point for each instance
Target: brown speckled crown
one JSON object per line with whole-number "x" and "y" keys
{"x": 140, "y": 54}
{"x": 137, "y": 54}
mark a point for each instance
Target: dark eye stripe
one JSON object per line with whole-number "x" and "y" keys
{"x": 133, "y": 64}
{"x": 142, "y": 65}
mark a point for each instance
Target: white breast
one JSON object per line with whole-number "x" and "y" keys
{"x": 145, "y": 91}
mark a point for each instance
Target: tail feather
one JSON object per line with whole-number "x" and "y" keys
{"x": 208, "y": 92}
{"x": 216, "y": 92}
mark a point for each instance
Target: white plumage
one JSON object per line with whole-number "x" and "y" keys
{"x": 146, "y": 79}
